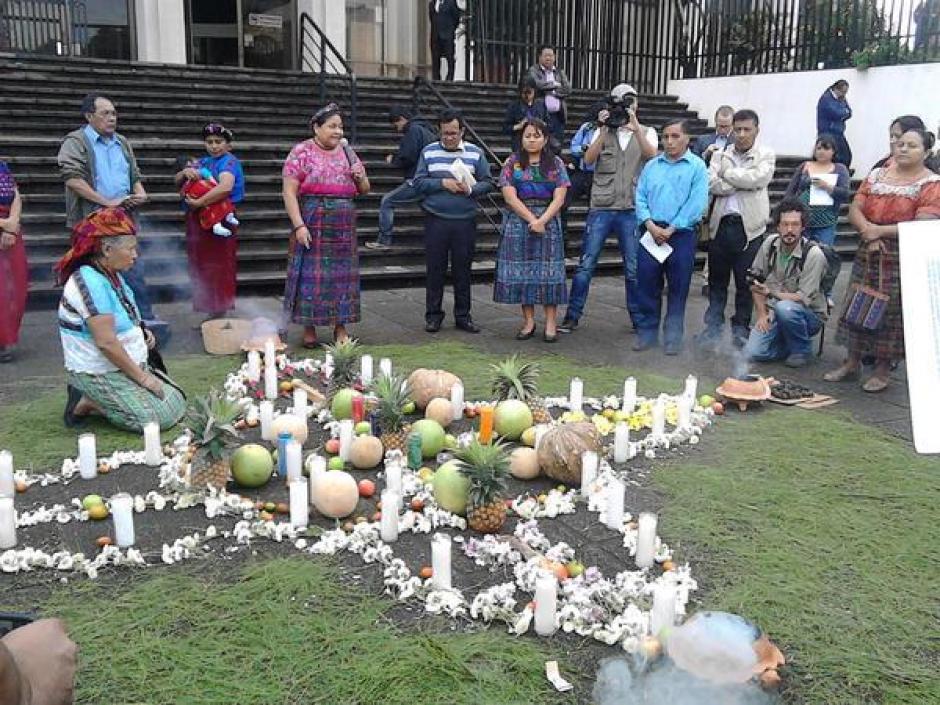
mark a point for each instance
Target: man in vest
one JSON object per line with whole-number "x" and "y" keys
{"x": 620, "y": 148}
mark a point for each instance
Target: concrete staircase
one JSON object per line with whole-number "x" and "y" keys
{"x": 162, "y": 108}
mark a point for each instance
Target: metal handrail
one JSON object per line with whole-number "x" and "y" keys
{"x": 320, "y": 55}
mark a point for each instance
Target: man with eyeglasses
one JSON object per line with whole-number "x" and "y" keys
{"x": 98, "y": 167}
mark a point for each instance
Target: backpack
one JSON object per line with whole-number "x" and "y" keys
{"x": 833, "y": 261}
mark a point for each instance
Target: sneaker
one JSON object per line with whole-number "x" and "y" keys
{"x": 6, "y": 354}
{"x": 378, "y": 245}
{"x": 672, "y": 349}
{"x": 797, "y": 360}
{"x": 569, "y": 325}
{"x": 641, "y": 344}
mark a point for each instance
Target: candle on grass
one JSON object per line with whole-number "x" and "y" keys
{"x": 122, "y": 513}
{"x": 440, "y": 562}
{"x": 7, "y": 484}
{"x": 629, "y": 395}
{"x": 389, "y": 524}
{"x": 613, "y": 514}
{"x": 328, "y": 365}
{"x": 153, "y": 451}
{"x": 365, "y": 370}
{"x": 576, "y": 394}
{"x": 270, "y": 382}
{"x": 691, "y": 387}
{"x": 299, "y": 502}
{"x": 346, "y": 432}
{"x": 267, "y": 419}
{"x": 295, "y": 459}
{"x": 87, "y": 456}
{"x": 317, "y": 470}
{"x": 663, "y": 613}
{"x": 546, "y": 598}
{"x": 684, "y": 406}
{"x": 659, "y": 419}
{"x": 621, "y": 442}
{"x": 646, "y": 540}
{"x": 270, "y": 355}
{"x": 486, "y": 424}
{"x": 456, "y": 401}
{"x": 300, "y": 403}
{"x": 7, "y": 523}
{"x": 254, "y": 366}
{"x": 393, "y": 476}
{"x": 385, "y": 366}
{"x": 589, "y": 463}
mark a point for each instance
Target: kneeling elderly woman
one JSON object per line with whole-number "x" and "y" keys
{"x": 105, "y": 347}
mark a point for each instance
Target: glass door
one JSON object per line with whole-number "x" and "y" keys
{"x": 268, "y": 33}
{"x": 214, "y": 32}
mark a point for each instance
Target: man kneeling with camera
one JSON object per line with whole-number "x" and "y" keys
{"x": 786, "y": 284}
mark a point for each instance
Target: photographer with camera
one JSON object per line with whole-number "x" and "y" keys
{"x": 786, "y": 282}
{"x": 37, "y": 665}
{"x": 620, "y": 148}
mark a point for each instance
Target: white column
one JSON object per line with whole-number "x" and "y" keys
{"x": 161, "y": 31}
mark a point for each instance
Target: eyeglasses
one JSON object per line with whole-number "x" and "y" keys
{"x": 106, "y": 113}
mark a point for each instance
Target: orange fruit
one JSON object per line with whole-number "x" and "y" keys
{"x": 669, "y": 565}
{"x": 425, "y": 572}
{"x": 103, "y": 541}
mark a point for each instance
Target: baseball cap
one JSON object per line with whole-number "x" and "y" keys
{"x": 622, "y": 90}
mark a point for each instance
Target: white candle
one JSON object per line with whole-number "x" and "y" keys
{"x": 663, "y": 613}
{"x": 440, "y": 562}
{"x": 393, "y": 471}
{"x": 254, "y": 366}
{"x": 613, "y": 514}
{"x": 646, "y": 540}
{"x": 295, "y": 459}
{"x": 267, "y": 418}
{"x": 456, "y": 401}
{"x": 328, "y": 365}
{"x": 270, "y": 356}
{"x": 365, "y": 370}
{"x": 659, "y": 419}
{"x": 385, "y": 366}
{"x": 270, "y": 382}
{"x": 629, "y": 395}
{"x": 7, "y": 523}
{"x": 299, "y": 502}
{"x": 691, "y": 387}
{"x": 300, "y": 403}
{"x": 346, "y": 430}
{"x": 7, "y": 485}
{"x": 546, "y": 598}
{"x": 589, "y": 462}
{"x": 87, "y": 456}
{"x": 576, "y": 394}
{"x": 621, "y": 442}
{"x": 540, "y": 431}
{"x": 685, "y": 411}
{"x": 122, "y": 512}
{"x": 153, "y": 451}
{"x": 389, "y": 526}
{"x": 317, "y": 470}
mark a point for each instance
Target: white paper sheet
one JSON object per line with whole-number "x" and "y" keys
{"x": 462, "y": 173}
{"x": 660, "y": 252}
{"x": 919, "y": 243}
{"x": 819, "y": 196}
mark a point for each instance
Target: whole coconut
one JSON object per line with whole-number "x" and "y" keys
{"x": 341, "y": 405}
{"x": 451, "y": 488}
{"x": 425, "y": 385}
{"x": 252, "y": 465}
{"x": 560, "y": 449}
{"x": 511, "y": 418}
{"x": 440, "y": 410}
{"x": 432, "y": 436}
{"x": 524, "y": 463}
{"x": 365, "y": 452}
{"x": 337, "y": 494}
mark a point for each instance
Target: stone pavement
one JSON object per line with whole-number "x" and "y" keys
{"x": 396, "y": 316}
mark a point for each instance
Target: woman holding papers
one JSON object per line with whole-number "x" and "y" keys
{"x": 823, "y": 185}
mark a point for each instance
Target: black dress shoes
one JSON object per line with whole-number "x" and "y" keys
{"x": 468, "y": 326}
{"x": 432, "y": 326}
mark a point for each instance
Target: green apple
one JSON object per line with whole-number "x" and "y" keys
{"x": 336, "y": 463}
{"x": 90, "y": 501}
{"x": 575, "y": 568}
{"x": 706, "y": 400}
{"x": 409, "y": 408}
{"x": 450, "y": 441}
{"x": 363, "y": 428}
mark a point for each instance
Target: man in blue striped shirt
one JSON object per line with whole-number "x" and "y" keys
{"x": 671, "y": 195}
{"x": 451, "y": 175}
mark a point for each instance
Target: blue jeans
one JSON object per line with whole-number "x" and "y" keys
{"x": 677, "y": 270}
{"x": 791, "y": 333}
{"x": 825, "y": 235}
{"x": 599, "y": 225}
{"x": 135, "y": 280}
{"x": 401, "y": 195}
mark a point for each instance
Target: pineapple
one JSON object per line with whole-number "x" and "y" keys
{"x": 210, "y": 419}
{"x": 392, "y": 393}
{"x": 514, "y": 378}
{"x": 487, "y": 468}
{"x": 345, "y": 364}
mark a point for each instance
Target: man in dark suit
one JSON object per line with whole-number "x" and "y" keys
{"x": 445, "y": 17}
{"x": 716, "y": 141}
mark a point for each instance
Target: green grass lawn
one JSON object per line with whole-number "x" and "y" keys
{"x": 819, "y": 529}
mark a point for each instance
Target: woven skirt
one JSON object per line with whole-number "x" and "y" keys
{"x": 531, "y": 267}
{"x": 126, "y": 404}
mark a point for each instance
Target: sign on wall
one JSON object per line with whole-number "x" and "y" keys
{"x": 261, "y": 20}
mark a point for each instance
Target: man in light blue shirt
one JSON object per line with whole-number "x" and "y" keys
{"x": 671, "y": 195}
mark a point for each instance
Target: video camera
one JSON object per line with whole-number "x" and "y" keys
{"x": 620, "y": 102}
{"x": 752, "y": 276}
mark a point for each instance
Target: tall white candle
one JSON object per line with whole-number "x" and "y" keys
{"x": 295, "y": 460}
{"x": 270, "y": 356}
{"x": 546, "y": 599}
{"x": 346, "y": 430}
{"x": 389, "y": 525}
{"x": 393, "y": 471}
{"x": 659, "y": 419}
{"x": 684, "y": 406}
{"x": 299, "y": 502}
{"x": 254, "y": 366}
{"x": 613, "y": 513}
{"x": 7, "y": 484}
{"x": 267, "y": 419}
{"x": 300, "y": 403}
{"x": 621, "y": 442}
{"x": 153, "y": 451}
{"x": 646, "y": 540}
{"x": 456, "y": 401}
{"x": 7, "y": 523}
{"x": 576, "y": 394}
{"x": 440, "y": 562}
{"x": 629, "y": 395}
{"x": 663, "y": 613}
{"x": 270, "y": 382}
{"x": 317, "y": 470}
{"x": 122, "y": 512}
{"x": 87, "y": 456}
{"x": 365, "y": 370}
{"x": 385, "y": 366}
{"x": 691, "y": 387}
{"x": 328, "y": 365}
{"x": 589, "y": 463}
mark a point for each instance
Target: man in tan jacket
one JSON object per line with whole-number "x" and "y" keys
{"x": 738, "y": 179}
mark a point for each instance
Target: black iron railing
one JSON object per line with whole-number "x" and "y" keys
{"x": 57, "y": 27}
{"x": 319, "y": 55}
{"x": 648, "y": 42}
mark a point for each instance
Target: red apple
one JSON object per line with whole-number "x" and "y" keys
{"x": 366, "y": 488}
